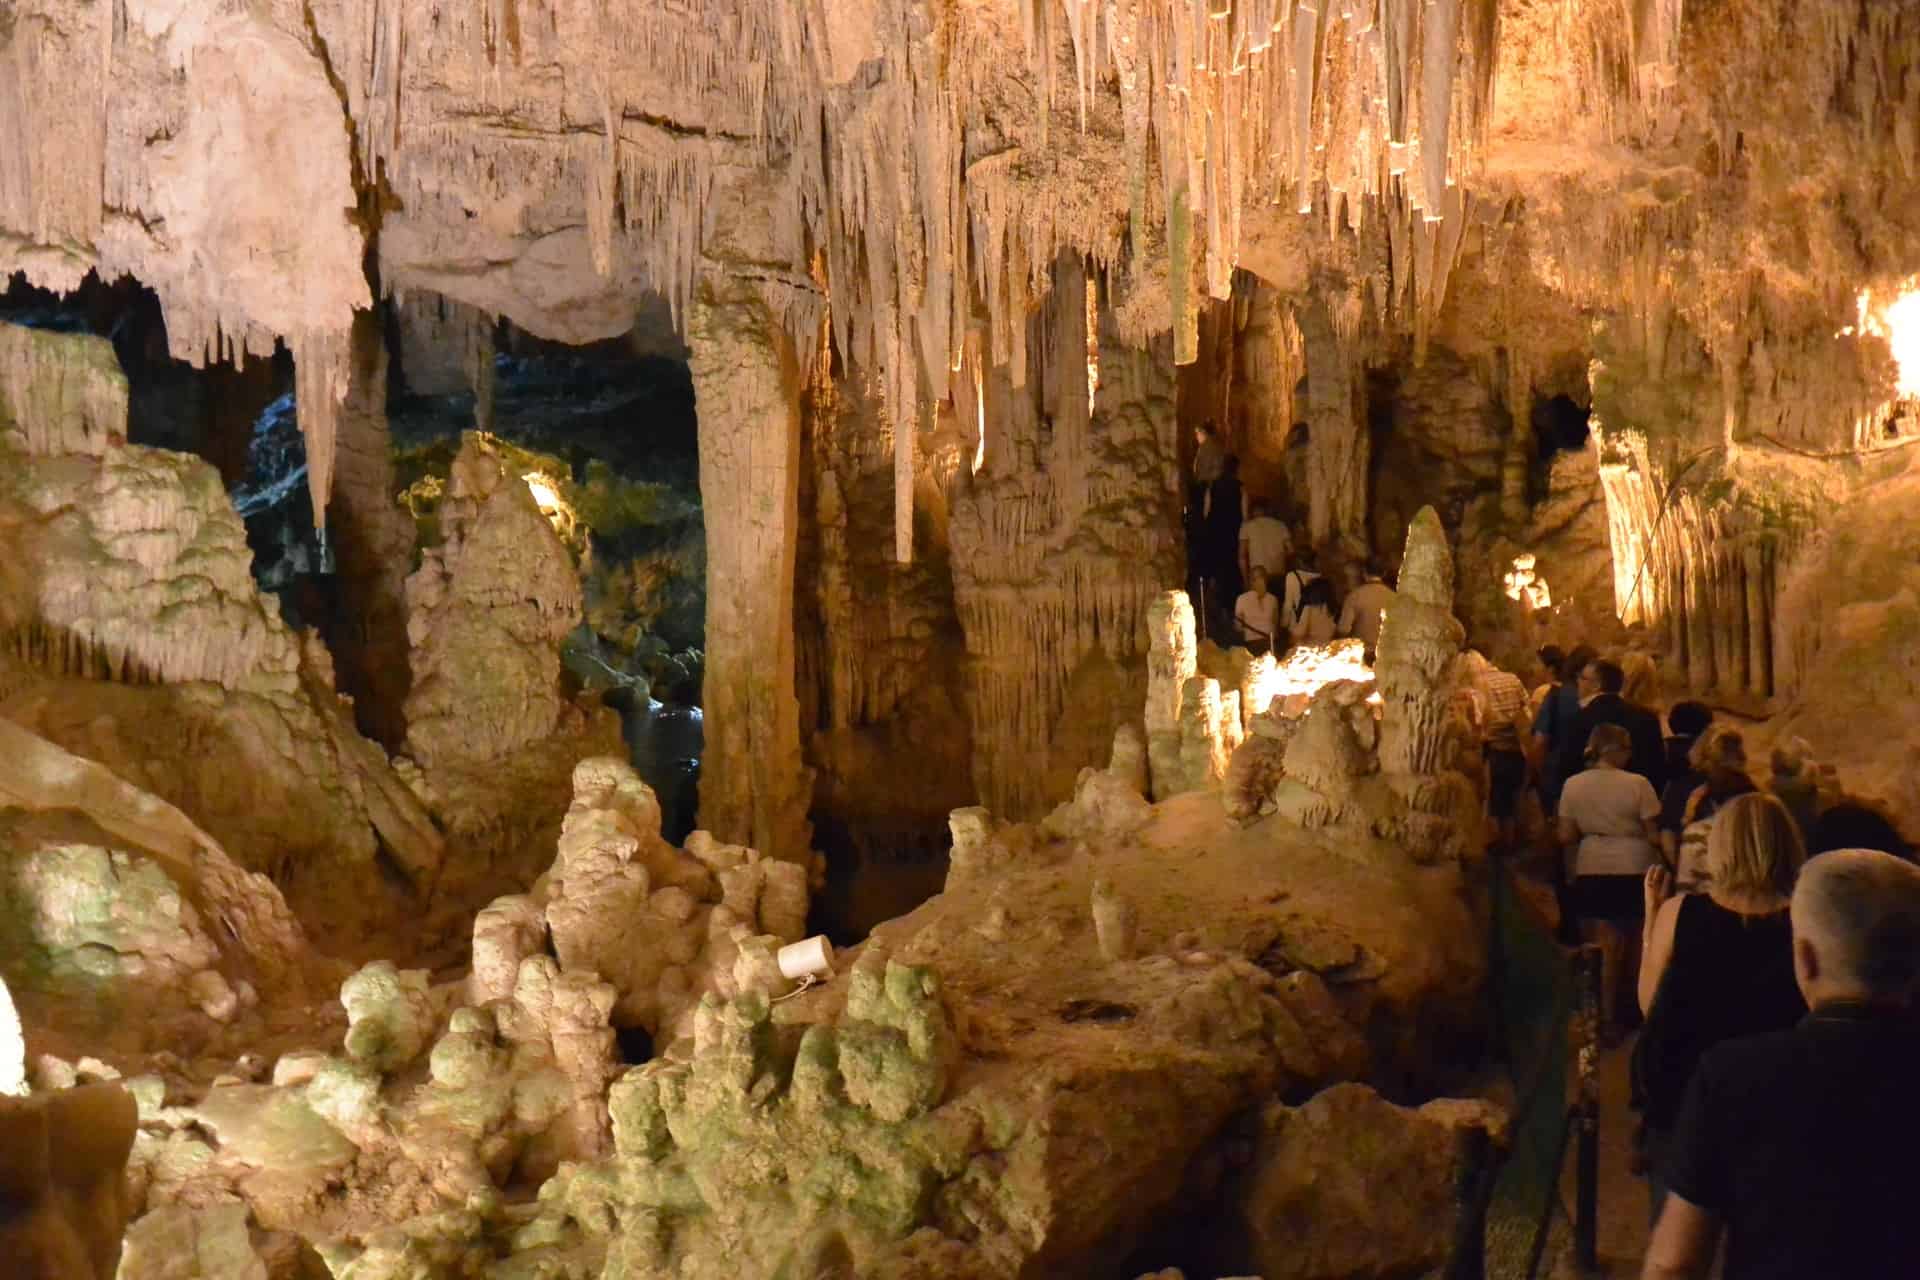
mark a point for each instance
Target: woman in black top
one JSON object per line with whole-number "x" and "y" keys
{"x": 1718, "y": 964}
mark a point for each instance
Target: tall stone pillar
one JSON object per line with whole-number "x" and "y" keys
{"x": 373, "y": 539}
{"x": 1338, "y": 447}
{"x": 753, "y": 787}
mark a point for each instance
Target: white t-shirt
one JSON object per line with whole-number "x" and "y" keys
{"x": 1269, "y": 545}
{"x": 1608, "y": 807}
{"x": 1259, "y": 616}
{"x": 1314, "y": 625}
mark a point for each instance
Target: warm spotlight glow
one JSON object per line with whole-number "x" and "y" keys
{"x": 544, "y": 493}
{"x": 980, "y": 419}
{"x": 1527, "y": 586}
{"x": 1898, "y": 322}
{"x": 547, "y": 497}
{"x": 1903, "y": 335}
{"x": 1093, "y": 341}
{"x": 1304, "y": 671}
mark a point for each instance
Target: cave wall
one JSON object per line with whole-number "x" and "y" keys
{"x": 1469, "y": 177}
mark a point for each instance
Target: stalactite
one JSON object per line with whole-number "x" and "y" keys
{"x": 323, "y": 373}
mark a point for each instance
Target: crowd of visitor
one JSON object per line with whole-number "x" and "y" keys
{"x": 1763, "y": 935}
{"x": 1248, "y": 583}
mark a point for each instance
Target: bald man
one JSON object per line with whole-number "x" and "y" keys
{"x": 1802, "y": 1146}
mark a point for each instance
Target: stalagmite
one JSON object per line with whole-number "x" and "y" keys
{"x": 1418, "y": 643}
{"x": 1170, "y": 664}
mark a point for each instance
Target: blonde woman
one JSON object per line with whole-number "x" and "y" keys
{"x": 1717, "y": 964}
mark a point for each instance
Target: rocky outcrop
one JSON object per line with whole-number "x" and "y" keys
{"x": 486, "y": 612}
{"x": 132, "y": 625}
{"x": 663, "y": 926}
{"x": 63, "y": 1160}
{"x": 1351, "y": 1185}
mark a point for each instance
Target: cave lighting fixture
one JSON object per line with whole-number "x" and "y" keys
{"x": 1898, "y": 321}
{"x": 1306, "y": 670}
{"x": 1525, "y": 585}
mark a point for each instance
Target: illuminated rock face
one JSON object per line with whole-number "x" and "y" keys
{"x": 487, "y": 610}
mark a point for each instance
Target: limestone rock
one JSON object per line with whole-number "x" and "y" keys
{"x": 1115, "y": 922}
{"x": 1418, "y": 643}
{"x": 80, "y": 918}
{"x": 507, "y": 931}
{"x": 1170, "y": 665}
{"x": 1257, "y": 765}
{"x": 1351, "y": 1185}
{"x": 662, "y": 925}
{"x": 487, "y": 610}
{"x": 192, "y": 1244}
{"x": 390, "y": 1015}
{"x": 63, "y": 1159}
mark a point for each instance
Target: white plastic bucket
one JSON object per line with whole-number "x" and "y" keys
{"x": 811, "y": 957}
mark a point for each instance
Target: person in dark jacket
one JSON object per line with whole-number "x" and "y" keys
{"x": 1798, "y": 1146}
{"x": 1553, "y": 726}
{"x": 1686, "y": 721}
{"x": 1601, "y": 703}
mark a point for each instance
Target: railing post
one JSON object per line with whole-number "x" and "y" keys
{"x": 1586, "y": 1114}
{"x": 1468, "y": 1259}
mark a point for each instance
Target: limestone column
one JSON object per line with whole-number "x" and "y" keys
{"x": 753, "y": 787}
{"x": 1338, "y": 446}
{"x": 372, "y": 537}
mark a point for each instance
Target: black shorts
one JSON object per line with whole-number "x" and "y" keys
{"x": 1610, "y": 899}
{"x": 1506, "y": 774}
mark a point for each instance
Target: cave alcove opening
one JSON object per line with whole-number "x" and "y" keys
{"x": 1560, "y": 424}
{"x": 212, "y": 412}
{"x": 606, "y": 436}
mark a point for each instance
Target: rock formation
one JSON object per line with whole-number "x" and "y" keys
{"x": 133, "y": 625}
{"x": 662, "y": 925}
{"x": 61, "y": 1181}
{"x": 1627, "y": 289}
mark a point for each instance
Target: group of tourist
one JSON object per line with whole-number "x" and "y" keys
{"x": 1250, "y": 586}
{"x": 1775, "y": 987}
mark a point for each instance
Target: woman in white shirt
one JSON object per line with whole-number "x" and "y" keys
{"x": 1257, "y": 613}
{"x": 1611, "y": 819}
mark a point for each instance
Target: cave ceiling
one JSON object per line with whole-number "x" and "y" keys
{"x": 1493, "y": 174}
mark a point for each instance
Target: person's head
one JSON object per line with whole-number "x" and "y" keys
{"x": 1637, "y": 674}
{"x": 1607, "y": 677}
{"x": 1791, "y": 758}
{"x": 1232, "y": 465}
{"x": 1319, "y": 591}
{"x": 1373, "y": 571}
{"x": 1609, "y": 744}
{"x": 1856, "y": 927}
{"x": 1475, "y": 662}
{"x": 1257, "y": 580}
{"x": 1855, "y": 826}
{"x": 1577, "y": 661}
{"x": 1552, "y": 658}
{"x": 1754, "y": 847}
{"x": 1689, "y": 719}
{"x": 1720, "y": 749}
{"x": 1203, "y": 432}
{"x": 1306, "y": 560}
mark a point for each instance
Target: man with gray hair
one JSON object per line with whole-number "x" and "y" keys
{"x": 1800, "y": 1145}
